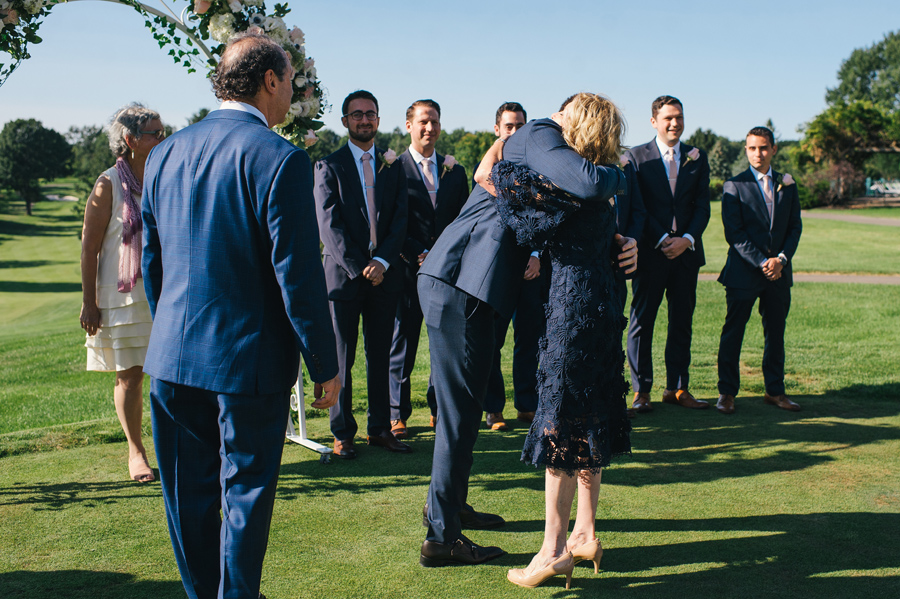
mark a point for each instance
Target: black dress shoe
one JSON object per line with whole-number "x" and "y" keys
{"x": 463, "y": 552}
{"x": 470, "y": 519}
{"x": 389, "y": 442}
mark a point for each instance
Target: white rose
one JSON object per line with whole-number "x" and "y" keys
{"x": 33, "y": 6}
{"x": 221, "y": 27}
{"x": 4, "y": 4}
{"x": 297, "y": 36}
{"x": 299, "y": 81}
{"x": 311, "y": 73}
{"x": 235, "y": 5}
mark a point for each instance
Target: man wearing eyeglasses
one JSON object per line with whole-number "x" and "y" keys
{"x": 361, "y": 204}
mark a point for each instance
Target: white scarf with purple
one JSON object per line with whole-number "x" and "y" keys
{"x": 130, "y": 257}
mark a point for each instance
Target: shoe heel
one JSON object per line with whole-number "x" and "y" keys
{"x": 568, "y": 580}
{"x": 596, "y": 566}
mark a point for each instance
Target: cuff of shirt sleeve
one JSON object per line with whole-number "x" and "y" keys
{"x": 384, "y": 262}
{"x": 690, "y": 238}
{"x": 661, "y": 239}
{"x": 535, "y": 254}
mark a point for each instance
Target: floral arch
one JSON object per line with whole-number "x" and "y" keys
{"x": 187, "y": 37}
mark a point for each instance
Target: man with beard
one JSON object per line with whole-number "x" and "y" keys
{"x": 361, "y": 197}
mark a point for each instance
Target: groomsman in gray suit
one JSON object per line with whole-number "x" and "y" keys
{"x": 361, "y": 207}
{"x": 761, "y": 215}
{"x": 437, "y": 190}
{"x": 673, "y": 178}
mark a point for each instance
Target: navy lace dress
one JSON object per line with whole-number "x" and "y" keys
{"x": 581, "y": 420}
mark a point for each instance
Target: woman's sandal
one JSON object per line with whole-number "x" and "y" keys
{"x": 139, "y": 469}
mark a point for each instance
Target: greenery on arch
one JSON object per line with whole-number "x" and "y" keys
{"x": 186, "y": 37}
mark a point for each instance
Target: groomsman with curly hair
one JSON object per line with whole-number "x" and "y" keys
{"x": 761, "y": 215}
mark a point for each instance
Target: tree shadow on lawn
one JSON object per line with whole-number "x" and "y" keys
{"x": 16, "y": 228}
{"x": 4, "y": 264}
{"x": 28, "y": 287}
{"x": 83, "y": 584}
{"x": 51, "y": 496}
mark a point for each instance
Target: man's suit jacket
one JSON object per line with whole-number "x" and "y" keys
{"x": 231, "y": 260}
{"x": 426, "y": 220}
{"x": 689, "y": 206}
{"x": 479, "y": 256}
{"x": 630, "y": 211}
{"x": 344, "y": 221}
{"x": 750, "y": 241}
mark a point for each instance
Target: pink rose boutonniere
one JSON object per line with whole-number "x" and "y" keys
{"x": 786, "y": 180}
{"x": 449, "y": 163}
{"x": 694, "y": 154}
{"x": 387, "y": 159}
{"x": 310, "y": 139}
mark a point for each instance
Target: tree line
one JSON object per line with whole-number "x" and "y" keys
{"x": 856, "y": 137}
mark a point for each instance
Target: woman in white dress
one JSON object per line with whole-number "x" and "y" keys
{"x": 114, "y": 311}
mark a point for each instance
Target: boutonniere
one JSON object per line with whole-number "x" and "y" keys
{"x": 786, "y": 180}
{"x": 694, "y": 154}
{"x": 449, "y": 163}
{"x": 386, "y": 159}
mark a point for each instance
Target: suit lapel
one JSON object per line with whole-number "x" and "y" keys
{"x": 759, "y": 202}
{"x": 655, "y": 163}
{"x": 352, "y": 182}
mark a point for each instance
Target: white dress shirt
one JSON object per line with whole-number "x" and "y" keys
{"x": 244, "y": 107}
{"x": 432, "y": 163}
{"x": 663, "y": 148}
{"x": 357, "y": 159}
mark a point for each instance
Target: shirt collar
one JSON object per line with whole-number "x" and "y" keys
{"x": 244, "y": 107}
{"x": 358, "y": 152}
{"x": 663, "y": 148}
{"x": 758, "y": 175}
{"x": 419, "y": 157}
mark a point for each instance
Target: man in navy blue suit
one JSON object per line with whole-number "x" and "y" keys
{"x": 673, "y": 179}
{"x": 528, "y": 318}
{"x": 236, "y": 288}
{"x": 761, "y": 215}
{"x": 473, "y": 273}
{"x": 361, "y": 200}
{"x": 437, "y": 190}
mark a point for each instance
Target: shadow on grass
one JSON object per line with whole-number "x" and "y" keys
{"x": 61, "y": 496}
{"x": 4, "y": 264}
{"x": 28, "y": 287}
{"x": 16, "y": 228}
{"x": 83, "y": 584}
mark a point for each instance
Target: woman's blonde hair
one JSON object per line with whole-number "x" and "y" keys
{"x": 594, "y": 128}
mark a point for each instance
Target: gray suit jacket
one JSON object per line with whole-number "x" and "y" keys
{"x": 476, "y": 254}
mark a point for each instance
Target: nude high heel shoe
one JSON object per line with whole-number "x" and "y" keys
{"x": 562, "y": 565}
{"x": 591, "y": 550}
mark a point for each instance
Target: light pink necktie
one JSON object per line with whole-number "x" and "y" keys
{"x": 429, "y": 180}
{"x": 369, "y": 177}
{"x": 673, "y": 177}
{"x": 770, "y": 198}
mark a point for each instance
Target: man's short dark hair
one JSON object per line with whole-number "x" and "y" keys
{"x": 763, "y": 132}
{"x": 665, "y": 101}
{"x": 411, "y": 111}
{"x": 359, "y": 94}
{"x": 247, "y": 58}
{"x": 566, "y": 102}
{"x": 510, "y": 107}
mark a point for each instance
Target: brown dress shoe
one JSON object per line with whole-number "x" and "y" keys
{"x": 495, "y": 421}
{"x": 781, "y": 401}
{"x": 389, "y": 442}
{"x": 344, "y": 449}
{"x": 526, "y": 417}
{"x": 682, "y": 397}
{"x": 725, "y": 405}
{"x": 398, "y": 429}
{"x": 641, "y": 403}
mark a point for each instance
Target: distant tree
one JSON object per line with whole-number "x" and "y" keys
{"x": 29, "y": 152}
{"x": 704, "y": 139}
{"x": 721, "y": 157}
{"x": 870, "y": 74}
{"x": 471, "y": 148}
{"x": 842, "y": 132}
{"x": 396, "y": 140}
{"x": 197, "y": 116}
{"x": 90, "y": 157}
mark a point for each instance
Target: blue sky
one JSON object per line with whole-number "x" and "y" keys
{"x": 733, "y": 64}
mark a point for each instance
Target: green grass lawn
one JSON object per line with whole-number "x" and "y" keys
{"x": 764, "y": 503}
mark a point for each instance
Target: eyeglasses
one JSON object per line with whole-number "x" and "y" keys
{"x": 157, "y": 133}
{"x": 357, "y": 115}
